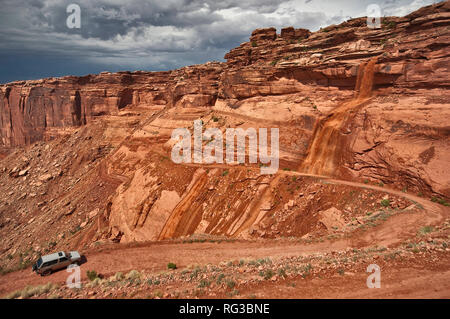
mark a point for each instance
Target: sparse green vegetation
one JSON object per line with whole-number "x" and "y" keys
{"x": 306, "y": 269}
{"x": 282, "y": 273}
{"x": 425, "y": 230}
{"x": 220, "y": 278}
{"x": 230, "y": 283}
{"x": 195, "y": 272}
{"x": 204, "y": 283}
{"x": 263, "y": 261}
{"x": 380, "y": 215}
{"x": 30, "y": 291}
{"x": 75, "y": 230}
{"x": 254, "y": 44}
{"x": 92, "y": 275}
{"x": 94, "y": 283}
{"x": 133, "y": 276}
{"x": 234, "y": 292}
{"x": 385, "y": 202}
{"x": 171, "y": 266}
{"x": 440, "y": 201}
{"x": 117, "y": 277}
{"x": 267, "y": 274}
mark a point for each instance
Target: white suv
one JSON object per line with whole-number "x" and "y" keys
{"x": 49, "y": 263}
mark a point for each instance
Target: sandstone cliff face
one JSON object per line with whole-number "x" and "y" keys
{"x": 404, "y": 119}
{"x": 396, "y": 135}
{"x": 28, "y": 108}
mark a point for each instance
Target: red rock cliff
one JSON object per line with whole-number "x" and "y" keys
{"x": 294, "y": 79}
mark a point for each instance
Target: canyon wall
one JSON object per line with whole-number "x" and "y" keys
{"x": 29, "y": 108}
{"x": 292, "y": 79}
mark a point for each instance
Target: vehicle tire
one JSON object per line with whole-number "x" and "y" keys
{"x": 46, "y": 273}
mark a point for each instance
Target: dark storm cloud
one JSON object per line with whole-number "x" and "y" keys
{"x": 141, "y": 34}
{"x": 106, "y": 19}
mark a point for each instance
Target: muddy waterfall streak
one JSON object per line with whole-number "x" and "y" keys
{"x": 326, "y": 148}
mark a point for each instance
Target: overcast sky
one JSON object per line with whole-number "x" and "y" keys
{"x": 117, "y": 35}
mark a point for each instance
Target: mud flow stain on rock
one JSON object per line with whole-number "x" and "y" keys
{"x": 323, "y": 156}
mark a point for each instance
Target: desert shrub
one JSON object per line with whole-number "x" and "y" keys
{"x": 385, "y": 203}
{"x": 306, "y": 269}
{"x": 282, "y": 272}
{"x": 118, "y": 276}
{"x": 425, "y": 230}
{"x": 203, "y": 283}
{"x": 220, "y": 278}
{"x": 171, "y": 266}
{"x": 133, "y": 275}
{"x": 263, "y": 261}
{"x": 268, "y": 274}
{"x": 230, "y": 283}
{"x": 96, "y": 282}
{"x": 92, "y": 275}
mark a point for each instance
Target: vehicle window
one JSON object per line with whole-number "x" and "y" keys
{"x": 45, "y": 264}
{"x": 52, "y": 262}
{"x": 39, "y": 262}
{"x": 63, "y": 259}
